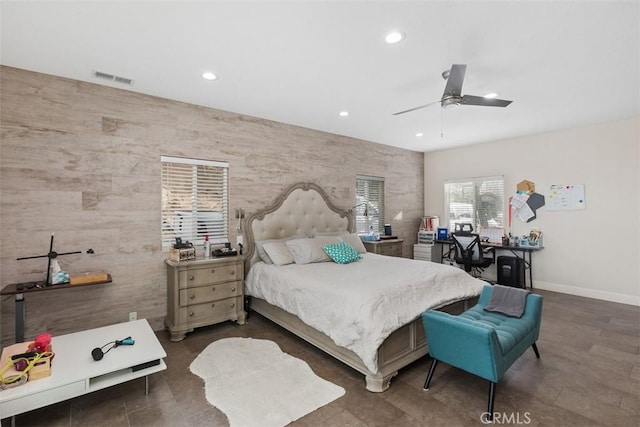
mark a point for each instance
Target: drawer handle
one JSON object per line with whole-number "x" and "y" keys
{"x": 233, "y": 289}
{"x": 233, "y": 305}
{"x": 191, "y": 277}
{"x": 213, "y": 304}
{"x": 192, "y": 314}
{"x": 213, "y": 270}
{"x": 192, "y": 296}
{"x": 232, "y": 272}
{"x": 213, "y": 289}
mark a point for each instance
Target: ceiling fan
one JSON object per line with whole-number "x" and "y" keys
{"x": 452, "y": 93}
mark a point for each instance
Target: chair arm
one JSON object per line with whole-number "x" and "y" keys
{"x": 533, "y": 311}
{"x": 463, "y": 343}
{"x": 489, "y": 250}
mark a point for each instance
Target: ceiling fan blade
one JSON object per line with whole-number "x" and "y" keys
{"x": 454, "y": 81}
{"x": 415, "y": 108}
{"x": 484, "y": 102}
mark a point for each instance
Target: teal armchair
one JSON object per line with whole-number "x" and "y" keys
{"x": 484, "y": 343}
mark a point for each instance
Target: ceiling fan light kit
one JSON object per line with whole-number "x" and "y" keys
{"x": 451, "y": 102}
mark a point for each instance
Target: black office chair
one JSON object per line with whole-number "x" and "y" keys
{"x": 471, "y": 254}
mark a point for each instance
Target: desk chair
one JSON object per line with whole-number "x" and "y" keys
{"x": 471, "y": 254}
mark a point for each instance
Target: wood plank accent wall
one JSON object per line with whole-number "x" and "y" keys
{"x": 83, "y": 161}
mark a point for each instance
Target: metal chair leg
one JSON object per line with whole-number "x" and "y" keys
{"x": 432, "y": 369}
{"x": 535, "y": 349}
{"x": 492, "y": 397}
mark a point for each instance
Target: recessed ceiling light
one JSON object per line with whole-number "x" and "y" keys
{"x": 209, "y": 76}
{"x": 343, "y": 113}
{"x": 491, "y": 95}
{"x": 419, "y": 134}
{"x": 394, "y": 37}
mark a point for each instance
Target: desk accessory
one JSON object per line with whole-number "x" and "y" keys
{"x": 88, "y": 277}
{"x": 52, "y": 255}
{"x": 443, "y": 233}
{"x": 97, "y": 353}
{"x": 182, "y": 251}
{"x": 224, "y": 252}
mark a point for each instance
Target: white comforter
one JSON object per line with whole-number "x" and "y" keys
{"x": 359, "y": 304}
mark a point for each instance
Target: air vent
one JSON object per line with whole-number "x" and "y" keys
{"x": 111, "y": 77}
{"x": 123, "y": 80}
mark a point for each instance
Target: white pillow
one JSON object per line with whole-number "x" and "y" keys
{"x": 263, "y": 254}
{"x": 354, "y": 241}
{"x": 306, "y": 251}
{"x": 278, "y": 252}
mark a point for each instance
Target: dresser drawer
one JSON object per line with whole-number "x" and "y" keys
{"x": 209, "y": 275}
{"x": 422, "y": 252}
{"x": 197, "y": 295}
{"x": 394, "y": 249}
{"x": 211, "y": 312}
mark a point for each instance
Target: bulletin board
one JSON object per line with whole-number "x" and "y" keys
{"x": 565, "y": 197}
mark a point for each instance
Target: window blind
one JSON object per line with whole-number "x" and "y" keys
{"x": 195, "y": 201}
{"x": 479, "y": 201}
{"x": 369, "y": 210}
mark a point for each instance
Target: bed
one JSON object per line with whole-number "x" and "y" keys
{"x": 338, "y": 307}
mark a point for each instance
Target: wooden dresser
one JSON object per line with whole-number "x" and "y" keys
{"x": 203, "y": 292}
{"x": 391, "y": 247}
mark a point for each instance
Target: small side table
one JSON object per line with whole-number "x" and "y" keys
{"x": 391, "y": 247}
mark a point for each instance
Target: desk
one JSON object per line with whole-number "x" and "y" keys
{"x": 75, "y": 373}
{"x": 522, "y": 252}
{"x": 19, "y": 289}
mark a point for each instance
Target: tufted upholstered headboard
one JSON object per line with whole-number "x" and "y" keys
{"x": 302, "y": 209}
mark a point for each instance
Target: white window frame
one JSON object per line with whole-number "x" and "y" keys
{"x": 190, "y": 216}
{"x": 470, "y": 209}
{"x": 369, "y": 201}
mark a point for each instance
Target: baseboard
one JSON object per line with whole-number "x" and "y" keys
{"x": 588, "y": 293}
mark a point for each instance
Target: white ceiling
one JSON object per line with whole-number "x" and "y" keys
{"x": 563, "y": 63}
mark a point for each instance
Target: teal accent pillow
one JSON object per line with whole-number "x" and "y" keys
{"x": 342, "y": 253}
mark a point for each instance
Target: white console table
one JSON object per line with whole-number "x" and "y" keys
{"x": 75, "y": 373}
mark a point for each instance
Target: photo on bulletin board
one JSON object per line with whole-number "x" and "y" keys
{"x": 565, "y": 197}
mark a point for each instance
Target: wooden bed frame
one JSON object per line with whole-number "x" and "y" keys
{"x": 304, "y": 209}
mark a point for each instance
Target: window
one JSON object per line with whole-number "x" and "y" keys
{"x": 369, "y": 209}
{"x": 479, "y": 201}
{"x": 195, "y": 201}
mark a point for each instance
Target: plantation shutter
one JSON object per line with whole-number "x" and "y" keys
{"x": 195, "y": 201}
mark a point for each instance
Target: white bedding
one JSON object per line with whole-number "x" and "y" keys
{"x": 360, "y": 304}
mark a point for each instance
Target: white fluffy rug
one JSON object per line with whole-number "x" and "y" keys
{"x": 255, "y": 384}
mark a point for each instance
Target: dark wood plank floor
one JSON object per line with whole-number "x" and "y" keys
{"x": 588, "y": 375}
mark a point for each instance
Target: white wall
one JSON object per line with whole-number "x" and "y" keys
{"x": 592, "y": 252}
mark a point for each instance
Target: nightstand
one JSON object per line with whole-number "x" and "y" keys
{"x": 391, "y": 247}
{"x": 204, "y": 292}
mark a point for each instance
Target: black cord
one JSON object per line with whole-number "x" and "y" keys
{"x": 115, "y": 344}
